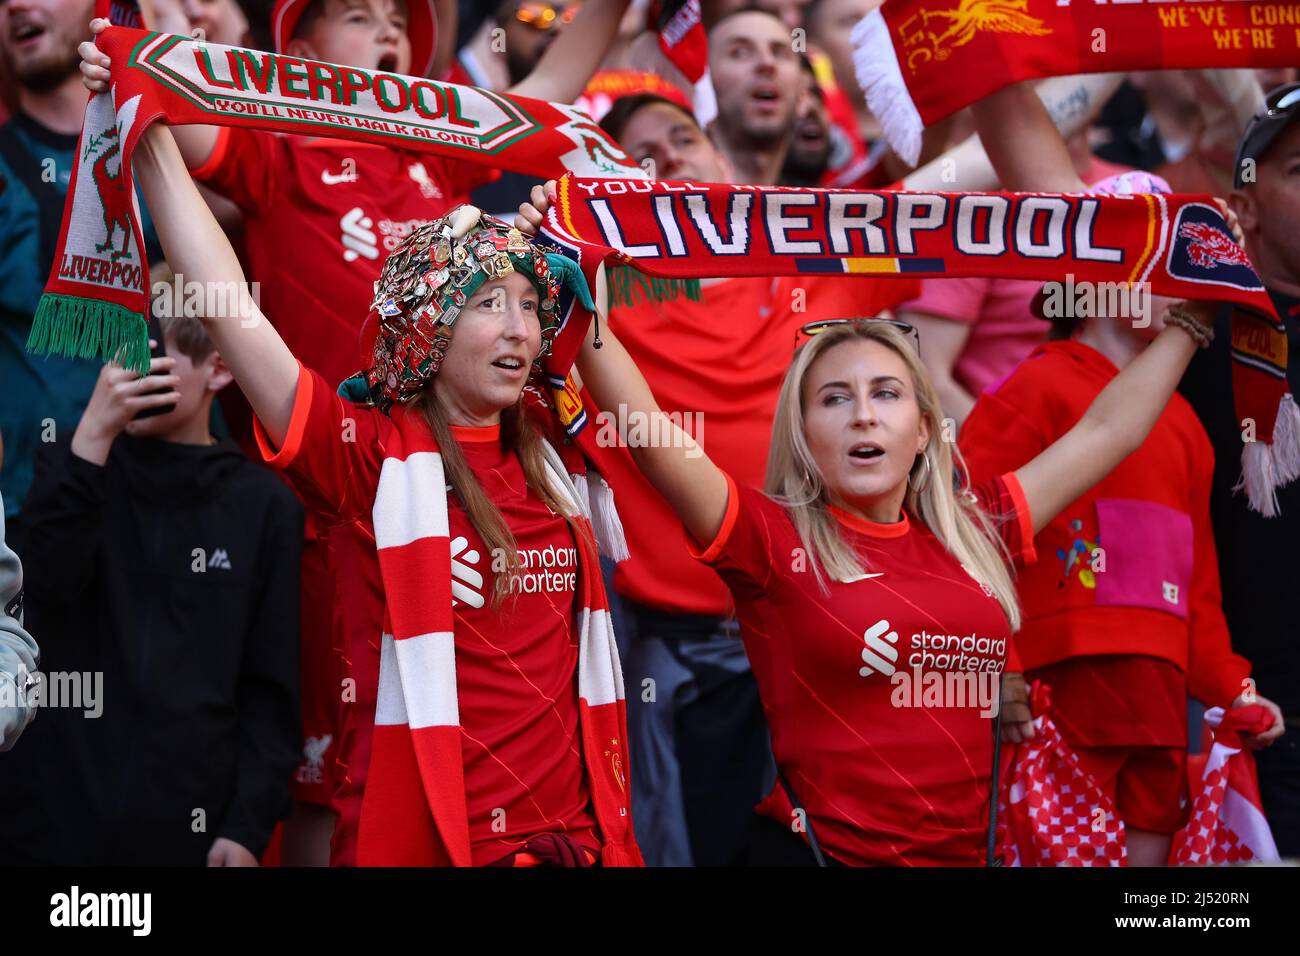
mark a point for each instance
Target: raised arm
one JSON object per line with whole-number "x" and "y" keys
{"x": 679, "y": 469}
{"x": 1023, "y": 143}
{"x": 168, "y": 16}
{"x": 1072, "y": 102}
{"x": 566, "y": 66}
{"x": 196, "y": 248}
{"x": 448, "y": 22}
{"x": 1115, "y": 424}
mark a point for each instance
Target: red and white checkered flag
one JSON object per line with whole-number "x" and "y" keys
{"x": 1050, "y": 810}
{"x": 1227, "y": 822}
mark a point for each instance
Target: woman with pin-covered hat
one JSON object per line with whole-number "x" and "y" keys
{"x": 499, "y": 728}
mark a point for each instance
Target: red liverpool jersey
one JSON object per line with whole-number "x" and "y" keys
{"x": 890, "y": 771}
{"x": 516, "y": 660}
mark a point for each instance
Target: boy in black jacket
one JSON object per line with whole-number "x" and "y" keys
{"x": 167, "y": 561}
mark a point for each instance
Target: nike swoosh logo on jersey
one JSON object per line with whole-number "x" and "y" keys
{"x": 333, "y": 179}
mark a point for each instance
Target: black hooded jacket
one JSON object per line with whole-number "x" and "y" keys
{"x": 173, "y": 570}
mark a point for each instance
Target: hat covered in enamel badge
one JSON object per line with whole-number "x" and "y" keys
{"x": 426, "y": 282}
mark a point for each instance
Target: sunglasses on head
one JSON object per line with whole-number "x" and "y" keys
{"x": 545, "y": 16}
{"x": 825, "y": 325}
{"x": 1282, "y": 100}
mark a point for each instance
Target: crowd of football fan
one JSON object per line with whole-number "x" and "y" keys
{"x": 206, "y": 622}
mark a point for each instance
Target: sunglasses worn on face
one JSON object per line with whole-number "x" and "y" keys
{"x": 825, "y": 325}
{"x": 544, "y": 16}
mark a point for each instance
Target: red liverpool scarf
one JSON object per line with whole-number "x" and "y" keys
{"x": 1176, "y": 245}
{"x": 919, "y": 61}
{"x": 413, "y": 809}
{"x": 97, "y": 294}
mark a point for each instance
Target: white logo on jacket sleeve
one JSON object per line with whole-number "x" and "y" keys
{"x": 313, "y": 752}
{"x": 358, "y": 239}
{"x": 880, "y": 652}
{"x": 219, "y": 559}
{"x": 466, "y": 583}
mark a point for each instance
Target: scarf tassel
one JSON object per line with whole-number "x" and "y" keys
{"x": 88, "y": 328}
{"x": 624, "y": 281}
{"x": 597, "y": 500}
{"x": 876, "y": 66}
{"x": 1266, "y": 467}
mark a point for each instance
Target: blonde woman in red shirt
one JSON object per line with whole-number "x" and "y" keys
{"x": 863, "y": 567}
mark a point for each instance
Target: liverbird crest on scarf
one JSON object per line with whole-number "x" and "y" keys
{"x": 97, "y": 294}
{"x": 906, "y": 53}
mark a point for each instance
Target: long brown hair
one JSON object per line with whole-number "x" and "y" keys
{"x": 794, "y": 479}
{"x": 519, "y": 434}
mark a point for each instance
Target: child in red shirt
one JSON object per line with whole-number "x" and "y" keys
{"x": 1123, "y": 616}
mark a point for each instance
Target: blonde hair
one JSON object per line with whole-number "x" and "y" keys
{"x": 794, "y": 480}
{"x": 518, "y": 434}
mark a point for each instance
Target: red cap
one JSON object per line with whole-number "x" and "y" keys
{"x": 421, "y": 29}
{"x": 608, "y": 86}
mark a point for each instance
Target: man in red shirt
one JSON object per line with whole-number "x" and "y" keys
{"x": 757, "y": 80}
{"x": 700, "y": 755}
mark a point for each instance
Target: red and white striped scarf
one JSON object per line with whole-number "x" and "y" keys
{"x": 414, "y": 810}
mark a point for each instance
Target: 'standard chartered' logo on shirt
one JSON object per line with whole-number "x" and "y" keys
{"x": 550, "y": 569}
{"x": 466, "y": 581}
{"x": 881, "y": 652}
